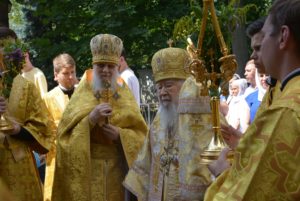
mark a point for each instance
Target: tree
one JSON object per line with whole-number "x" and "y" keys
{"x": 59, "y": 26}
{"x": 233, "y": 16}
{"x": 4, "y": 10}
{"x": 240, "y": 43}
{"x": 67, "y": 26}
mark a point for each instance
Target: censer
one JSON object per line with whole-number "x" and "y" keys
{"x": 209, "y": 81}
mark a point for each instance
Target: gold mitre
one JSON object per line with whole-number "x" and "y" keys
{"x": 170, "y": 63}
{"x": 106, "y": 48}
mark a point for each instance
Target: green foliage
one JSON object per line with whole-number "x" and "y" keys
{"x": 57, "y": 26}
{"x": 229, "y": 16}
{"x": 67, "y": 26}
{"x": 262, "y": 8}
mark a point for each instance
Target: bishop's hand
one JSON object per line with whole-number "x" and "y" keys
{"x": 100, "y": 113}
{"x": 110, "y": 131}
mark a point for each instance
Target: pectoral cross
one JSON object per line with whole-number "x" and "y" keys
{"x": 106, "y": 91}
{"x": 105, "y": 95}
{"x": 170, "y": 42}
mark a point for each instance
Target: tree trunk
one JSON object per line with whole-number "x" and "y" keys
{"x": 240, "y": 48}
{"x": 4, "y": 10}
{"x": 239, "y": 44}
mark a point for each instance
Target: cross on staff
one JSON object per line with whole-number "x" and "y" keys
{"x": 170, "y": 42}
{"x": 105, "y": 94}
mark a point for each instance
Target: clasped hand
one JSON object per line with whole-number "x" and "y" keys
{"x": 98, "y": 116}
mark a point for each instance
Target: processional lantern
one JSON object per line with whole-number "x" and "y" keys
{"x": 209, "y": 79}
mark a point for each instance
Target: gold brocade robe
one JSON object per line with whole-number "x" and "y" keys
{"x": 5, "y": 195}
{"x": 17, "y": 164}
{"x": 90, "y": 167}
{"x": 188, "y": 179}
{"x": 56, "y": 102}
{"x": 195, "y": 133}
{"x": 267, "y": 159}
{"x": 154, "y": 175}
{"x": 37, "y": 77}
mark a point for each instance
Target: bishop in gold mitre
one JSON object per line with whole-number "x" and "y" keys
{"x": 100, "y": 132}
{"x": 154, "y": 175}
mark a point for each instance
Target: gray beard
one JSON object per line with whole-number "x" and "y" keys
{"x": 169, "y": 118}
{"x": 98, "y": 83}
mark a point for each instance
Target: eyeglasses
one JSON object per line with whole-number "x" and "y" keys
{"x": 167, "y": 85}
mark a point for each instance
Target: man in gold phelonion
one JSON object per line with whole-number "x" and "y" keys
{"x": 32, "y": 131}
{"x": 56, "y": 100}
{"x": 100, "y": 132}
{"x": 154, "y": 175}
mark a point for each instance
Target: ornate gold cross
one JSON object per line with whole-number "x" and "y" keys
{"x": 105, "y": 94}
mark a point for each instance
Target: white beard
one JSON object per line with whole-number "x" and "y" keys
{"x": 169, "y": 118}
{"x": 98, "y": 84}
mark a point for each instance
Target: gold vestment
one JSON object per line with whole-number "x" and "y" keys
{"x": 89, "y": 166}
{"x": 5, "y": 195}
{"x": 267, "y": 159}
{"x": 37, "y": 77}
{"x": 195, "y": 133}
{"x": 17, "y": 165}
{"x": 154, "y": 175}
{"x": 187, "y": 179}
{"x": 56, "y": 102}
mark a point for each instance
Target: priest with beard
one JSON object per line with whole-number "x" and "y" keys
{"x": 154, "y": 175}
{"x": 100, "y": 133}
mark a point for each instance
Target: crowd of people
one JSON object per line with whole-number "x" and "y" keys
{"x": 97, "y": 146}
